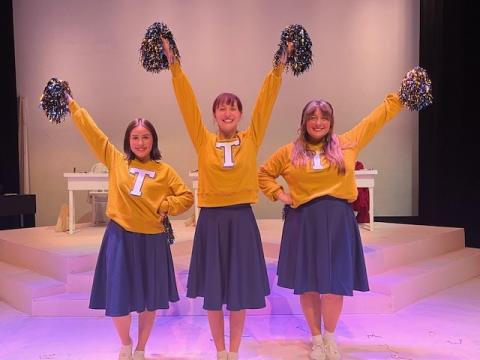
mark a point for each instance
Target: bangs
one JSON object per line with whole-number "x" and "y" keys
{"x": 227, "y": 99}
{"x": 325, "y": 109}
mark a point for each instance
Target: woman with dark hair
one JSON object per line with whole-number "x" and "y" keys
{"x": 127, "y": 146}
{"x": 134, "y": 271}
{"x": 321, "y": 256}
{"x": 227, "y": 265}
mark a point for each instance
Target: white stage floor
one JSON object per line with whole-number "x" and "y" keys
{"x": 424, "y": 301}
{"x": 440, "y": 327}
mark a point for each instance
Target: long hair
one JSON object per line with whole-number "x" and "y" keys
{"x": 331, "y": 145}
{"x": 154, "y": 153}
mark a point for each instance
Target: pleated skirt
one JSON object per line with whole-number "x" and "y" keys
{"x": 227, "y": 264}
{"x": 321, "y": 249}
{"x": 134, "y": 272}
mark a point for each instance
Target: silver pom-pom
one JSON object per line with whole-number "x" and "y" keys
{"x": 152, "y": 56}
{"x": 300, "y": 59}
{"x": 168, "y": 229}
{"x": 53, "y": 100}
{"x": 416, "y": 90}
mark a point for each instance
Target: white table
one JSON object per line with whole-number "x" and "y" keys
{"x": 364, "y": 179}
{"x": 82, "y": 181}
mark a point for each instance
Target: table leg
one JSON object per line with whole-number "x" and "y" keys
{"x": 71, "y": 213}
{"x": 371, "y": 208}
{"x": 195, "y": 201}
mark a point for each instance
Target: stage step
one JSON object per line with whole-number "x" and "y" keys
{"x": 409, "y": 283}
{"x": 65, "y": 304}
{"x": 390, "y": 291}
{"x": 50, "y": 274}
{"x": 58, "y": 255}
{"x": 80, "y": 282}
{"x": 50, "y": 253}
{"x": 19, "y": 286}
{"x": 414, "y": 243}
{"x": 280, "y": 302}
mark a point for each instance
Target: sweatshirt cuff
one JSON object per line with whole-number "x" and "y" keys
{"x": 164, "y": 207}
{"x": 278, "y": 70}
{"x": 175, "y": 69}
{"x": 276, "y": 192}
{"x": 73, "y": 106}
{"x": 396, "y": 97}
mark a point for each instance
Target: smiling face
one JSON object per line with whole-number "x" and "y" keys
{"x": 227, "y": 118}
{"x": 227, "y": 111}
{"x": 317, "y": 121}
{"x": 317, "y": 126}
{"x": 141, "y": 142}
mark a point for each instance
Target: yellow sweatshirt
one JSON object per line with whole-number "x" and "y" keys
{"x": 137, "y": 191}
{"x": 226, "y": 168}
{"x": 318, "y": 178}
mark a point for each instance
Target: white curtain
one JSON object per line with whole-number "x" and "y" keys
{"x": 23, "y": 148}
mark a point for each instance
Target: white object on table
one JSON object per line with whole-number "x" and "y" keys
{"x": 364, "y": 179}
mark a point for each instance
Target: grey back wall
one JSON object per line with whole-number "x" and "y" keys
{"x": 361, "y": 50}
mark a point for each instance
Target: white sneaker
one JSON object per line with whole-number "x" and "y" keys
{"x": 139, "y": 355}
{"x": 125, "y": 352}
{"x": 222, "y": 355}
{"x": 232, "y": 356}
{"x": 318, "y": 352}
{"x": 331, "y": 350}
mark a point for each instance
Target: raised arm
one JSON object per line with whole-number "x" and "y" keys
{"x": 186, "y": 100}
{"x": 98, "y": 141}
{"x": 266, "y": 98}
{"x": 367, "y": 128}
{"x": 415, "y": 93}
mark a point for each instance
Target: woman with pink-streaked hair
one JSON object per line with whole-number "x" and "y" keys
{"x": 321, "y": 256}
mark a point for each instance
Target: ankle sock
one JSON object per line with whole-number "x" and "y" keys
{"x": 317, "y": 339}
{"x": 327, "y": 336}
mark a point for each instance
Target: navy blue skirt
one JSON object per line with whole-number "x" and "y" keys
{"x": 321, "y": 249}
{"x": 134, "y": 272}
{"x": 227, "y": 264}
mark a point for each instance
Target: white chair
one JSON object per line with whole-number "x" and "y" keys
{"x": 98, "y": 198}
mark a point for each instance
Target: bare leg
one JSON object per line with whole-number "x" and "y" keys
{"x": 237, "y": 321}
{"x": 122, "y": 324}
{"x": 331, "y": 309}
{"x": 146, "y": 320}
{"x": 215, "y": 319}
{"x": 312, "y": 310}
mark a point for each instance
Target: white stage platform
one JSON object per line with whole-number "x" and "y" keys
{"x": 46, "y": 273}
